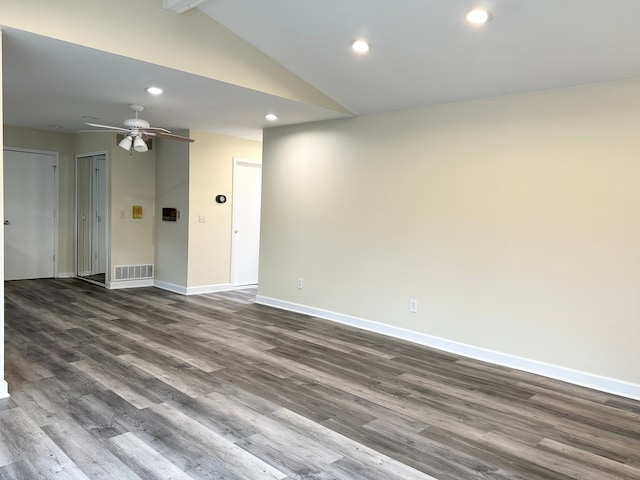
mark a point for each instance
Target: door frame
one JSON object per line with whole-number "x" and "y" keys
{"x": 107, "y": 216}
{"x": 95, "y": 193}
{"x": 56, "y": 195}
{"x": 238, "y": 161}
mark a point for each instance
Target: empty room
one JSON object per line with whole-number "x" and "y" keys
{"x": 320, "y": 240}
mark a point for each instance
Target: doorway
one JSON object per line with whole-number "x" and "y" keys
{"x": 245, "y": 244}
{"x": 30, "y": 224}
{"x": 91, "y": 217}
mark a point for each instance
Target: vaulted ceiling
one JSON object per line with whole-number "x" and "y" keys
{"x": 423, "y": 52}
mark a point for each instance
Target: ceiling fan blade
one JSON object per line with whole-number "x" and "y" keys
{"x": 102, "y": 130}
{"x": 171, "y": 136}
{"x": 109, "y": 127}
{"x": 157, "y": 129}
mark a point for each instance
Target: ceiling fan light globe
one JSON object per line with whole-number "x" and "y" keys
{"x": 139, "y": 145}
{"x": 126, "y": 143}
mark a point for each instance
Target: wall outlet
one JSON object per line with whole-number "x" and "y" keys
{"x": 413, "y": 305}
{"x": 299, "y": 283}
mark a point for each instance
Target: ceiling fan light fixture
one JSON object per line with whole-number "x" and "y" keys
{"x": 126, "y": 143}
{"x": 139, "y": 145}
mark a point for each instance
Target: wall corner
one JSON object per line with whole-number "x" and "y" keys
{"x": 4, "y": 389}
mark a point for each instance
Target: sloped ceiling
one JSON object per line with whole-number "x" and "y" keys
{"x": 422, "y": 53}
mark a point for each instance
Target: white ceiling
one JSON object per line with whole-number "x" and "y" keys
{"x": 422, "y": 53}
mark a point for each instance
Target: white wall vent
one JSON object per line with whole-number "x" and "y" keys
{"x": 133, "y": 272}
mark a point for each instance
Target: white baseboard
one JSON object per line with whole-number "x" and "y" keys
{"x": 584, "y": 379}
{"x": 66, "y": 275}
{"x": 223, "y": 287}
{"x": 4, "y": 389}
{"x": 171, "y": 287}
{"x": 130, "y": 284}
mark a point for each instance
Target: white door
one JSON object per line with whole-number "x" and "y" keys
{"x": 247, "y": 186}
{"x": 29, "y": 214}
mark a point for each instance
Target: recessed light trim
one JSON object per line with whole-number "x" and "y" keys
{"x": 478, "y": 16}
{"x": 360, "y": 46}
{"x": 154, "y": 90}
{"x": 272, "y": 117}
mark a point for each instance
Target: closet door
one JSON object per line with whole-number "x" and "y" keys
{"x": 29, "y": 214}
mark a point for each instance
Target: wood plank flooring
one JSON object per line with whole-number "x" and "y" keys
{"x": 146, "y": 384}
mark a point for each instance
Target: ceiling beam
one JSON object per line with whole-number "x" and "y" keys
{"x": 181, "y": 6}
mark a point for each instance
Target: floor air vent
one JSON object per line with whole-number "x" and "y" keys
{"x": 133, "y": 272}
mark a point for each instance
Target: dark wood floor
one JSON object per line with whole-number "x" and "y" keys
{"x": 146, "y": 384}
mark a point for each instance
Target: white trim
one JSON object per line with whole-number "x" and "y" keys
{"x": 4, "y": 389}
{"x": 107, "y": 216}
{"x": 130, "y": 284}
{"x": 224, "y": 287}
{"x": 66, "y": 275}
{"x": 584, "y": 379}
{"x": 171, "y": 287}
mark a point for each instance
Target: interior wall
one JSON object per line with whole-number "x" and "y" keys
{"x": 132, "y": 179}
{"x": 512, "y": 221}
{"x": 172, "y": 191}
{"x": 213, "y": 51}
{"x": 64, "y": 145}
{"x": 211, "y": 173}
{"x": 132, "y": 183}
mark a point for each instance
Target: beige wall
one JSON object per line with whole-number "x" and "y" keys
{"x": 172, "y": 191}
{"x": 193, "y": 255}
{"x": 64, "y": 145}
{"x": 513, "y": 221}
{"x": 191, "y": 42}
{"x": 187, "y": 174}
{"x": 132, "y": 182}
{"x": 211, "y": 173}
{"x": 132, "y": 178}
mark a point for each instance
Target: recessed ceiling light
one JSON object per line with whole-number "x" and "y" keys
{"x": 478, "y": 16}
{"x": 154, "y": 90}
{"x": 271, "y": 117}
{"x": 360, "y": 46}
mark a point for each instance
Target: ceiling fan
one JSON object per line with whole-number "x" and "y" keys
{"x": 136, "y": 130}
